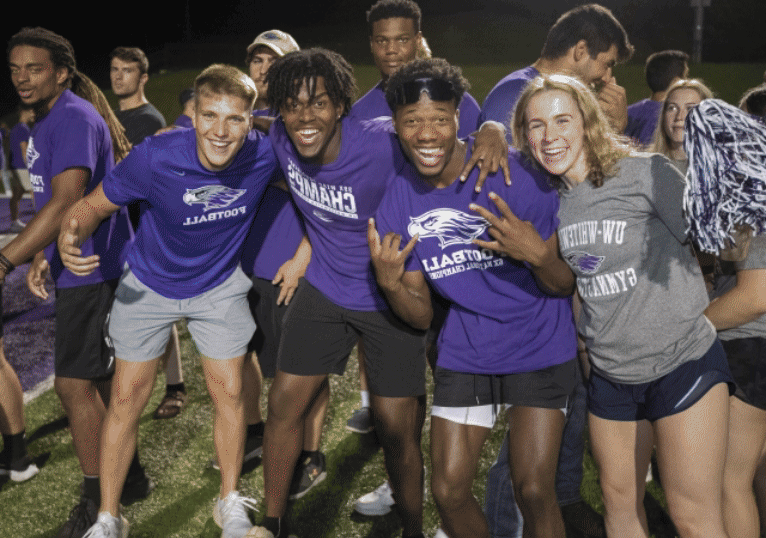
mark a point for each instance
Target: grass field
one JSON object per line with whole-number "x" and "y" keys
{"x": 176, "y": 452}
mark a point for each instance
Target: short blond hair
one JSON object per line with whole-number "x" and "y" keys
{"x": 226, "y": 80}
{"x": 605, "y": 147}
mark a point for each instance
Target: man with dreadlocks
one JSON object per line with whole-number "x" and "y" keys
{"x": 70, "y": 149}
{"x": 337, "y": 169}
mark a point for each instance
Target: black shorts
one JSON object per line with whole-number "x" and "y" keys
{"x": 547, "y": 388}
{"x": 747, "y": 360}
{"x": 268, "y": 320}
{"x": 672, "y": 393}
{"x": 318, "y": 335}
{"x": 82, "y": 347}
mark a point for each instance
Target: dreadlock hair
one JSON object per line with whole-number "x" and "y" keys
{"x": 389, "y": 9}
{"x": 287, "y": 75}
{"x": 62, "y": 56}
{"x": 434, "y": 68}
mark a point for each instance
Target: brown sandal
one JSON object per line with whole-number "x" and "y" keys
{"x": 171, "y": 405}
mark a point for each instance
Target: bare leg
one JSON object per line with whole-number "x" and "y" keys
{"x": 312, "y": 429}
{"x": 759, "y": 485}
{"x": 747, "y": 433}
{"x": 535, "y": 440}
{"x": 399, "y": 423}
{"x": 622, "y": 450}
{"x": 224, "y": 383}
{"x": 17, "y": 191}
{"x": 252, "y": 384}
{"x": 289, "y": 399}
{"x": 11, "y": 398}
{"x": 131, "y": 388}
{"x": 691, "y": 450}
{"x": 455, "y": 452}
{"x": 172, "y": 359}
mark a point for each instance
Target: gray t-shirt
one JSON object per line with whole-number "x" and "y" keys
{"x": 727, "y": 279}
{"x": 641, "y": 287}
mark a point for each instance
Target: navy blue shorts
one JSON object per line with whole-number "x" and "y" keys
{"x": 673, "y": 393}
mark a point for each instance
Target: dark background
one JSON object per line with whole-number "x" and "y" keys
{"x": 193, "y": 33}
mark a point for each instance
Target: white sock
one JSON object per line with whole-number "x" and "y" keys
{"x": 365, "y": 398}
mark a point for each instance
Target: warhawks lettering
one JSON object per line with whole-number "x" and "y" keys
{"x": 335, "y": 199}
{"x": 587, "y": 232}
{"x": 450, "y": 226}
{"x": 212, "y": 196}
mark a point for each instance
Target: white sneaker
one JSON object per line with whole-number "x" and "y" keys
{"x": 17, "y": 226}
{"x": 108, "y": 526}
{"x": 231, "y": 515}
{"x": 440, "y": 534}
{"x": 376, "y": 503}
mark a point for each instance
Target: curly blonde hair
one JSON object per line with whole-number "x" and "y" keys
{"x": 661, "y": 141}
{"x": 605, "y": 147}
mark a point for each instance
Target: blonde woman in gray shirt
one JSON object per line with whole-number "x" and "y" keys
{"x": 656, "y": 364}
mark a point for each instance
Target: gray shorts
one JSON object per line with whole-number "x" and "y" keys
{"x": 219, "y": 319}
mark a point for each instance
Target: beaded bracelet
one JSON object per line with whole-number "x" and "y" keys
{"x": 6, "y": 264}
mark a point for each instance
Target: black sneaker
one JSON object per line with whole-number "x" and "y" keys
{"x": 307, "y": 475}
{"x": 360, "y": 421}
{"x": 20, "y": 470}
{"x": 82, "y": 517}
{"x": 253, "y": 449}
{"x": 136, "y": 488}
{"x": 582, "y": 520}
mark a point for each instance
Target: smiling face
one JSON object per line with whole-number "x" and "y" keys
{"x": 427, "y": 131}
{"x": 38, "y": 82}
{"x": 259, "y": 64}
{"x": 678, "y": 104}
{"x": 554, "y": 129}
{"x": 394, "y": 42}
{"x": 222, "y": 123}
{"x": 126, "y": 78}
{"x": 313, "y": 123}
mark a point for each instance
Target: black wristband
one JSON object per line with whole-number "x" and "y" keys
{"x": 6, "y": 264}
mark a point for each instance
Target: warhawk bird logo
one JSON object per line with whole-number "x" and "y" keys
{"x": 32, "y": 153}
{"x": 450, "y": 226}
{"x": 212, "y": 196}
{"x": 587, "y": 263}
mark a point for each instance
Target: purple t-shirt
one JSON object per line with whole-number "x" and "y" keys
{"x": 335, "y": 201}
{"x": 183, "y": 121}
{"x": 642, "y": 120}
{"x": 276, "y": 231}
{"x": 499, "y": 322}
{"x": 373, "y": 105}
{"x": 274, "y": 236}
{"x": 19, "y": 133}
{"x": 191, "y": 235}
{"x": 501, "y": 100}
{"x": 74, "y": 135}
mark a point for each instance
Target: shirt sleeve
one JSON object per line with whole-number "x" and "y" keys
{"x": 469, "y": 116}
{"x": 77, "y": 146}
{"x": 128, "y": 181}
{"x": 532, "y": 198}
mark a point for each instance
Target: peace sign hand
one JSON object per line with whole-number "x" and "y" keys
{"x": 513, "y": 237}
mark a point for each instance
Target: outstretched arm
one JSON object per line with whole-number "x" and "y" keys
{"x": 406, "y": 291}
{"x": 77, "y": 225}
{"x": 520, "y": 240}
